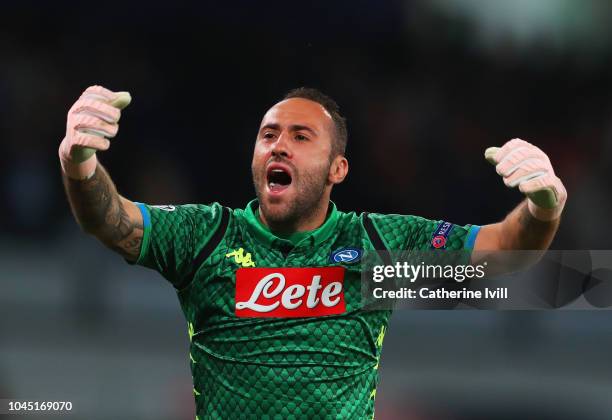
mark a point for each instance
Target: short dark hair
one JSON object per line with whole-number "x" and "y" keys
{"x": 341, "y": 134}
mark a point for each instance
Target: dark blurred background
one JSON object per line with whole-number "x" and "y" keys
{"x": 426, "y": 86}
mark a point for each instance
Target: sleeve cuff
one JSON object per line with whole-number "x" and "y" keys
{"x": 146, "y": 223}
{"x": 471, "y": 237}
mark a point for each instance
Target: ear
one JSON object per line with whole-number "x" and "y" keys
{"x": 338, "y": 170}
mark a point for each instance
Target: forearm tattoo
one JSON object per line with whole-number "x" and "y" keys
{"x": 98, "y": 208}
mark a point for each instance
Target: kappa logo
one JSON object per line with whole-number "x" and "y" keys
{"x": 346, "y": 255}
{"x": 241, "y": 258}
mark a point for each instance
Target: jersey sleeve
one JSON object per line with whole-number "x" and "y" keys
{"x": 405, "y": 232}
{"x": 173, "y": 237}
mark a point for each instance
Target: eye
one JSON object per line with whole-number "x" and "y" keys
{"x": 300, "y": 137}
{"x": 268, "y": 135}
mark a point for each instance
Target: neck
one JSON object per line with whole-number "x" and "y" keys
{"x": 314, "y": 220}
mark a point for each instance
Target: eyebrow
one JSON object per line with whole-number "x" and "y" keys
{"x": 293, "y": 127}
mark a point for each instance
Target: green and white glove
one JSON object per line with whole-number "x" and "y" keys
{"x": 91, "y": 122}
{"x": 523, "y": 165}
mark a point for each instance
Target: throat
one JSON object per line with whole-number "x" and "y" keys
{"x": 293, "y": 230}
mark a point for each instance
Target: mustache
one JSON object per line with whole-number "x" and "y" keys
{"x": 280, "y": 160}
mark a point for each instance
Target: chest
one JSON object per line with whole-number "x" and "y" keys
{"x": 246, "y": 279}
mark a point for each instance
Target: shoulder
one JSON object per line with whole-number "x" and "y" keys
{"x": 195, "y": 209}
{"x": 397, "y": 224}
{"x": 389, "y": 221}
{"x": 183, "y": 215}
{"x": 401, "y": 231}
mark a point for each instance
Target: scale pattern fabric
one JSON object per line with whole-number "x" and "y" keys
{"x": 322, "y": 367}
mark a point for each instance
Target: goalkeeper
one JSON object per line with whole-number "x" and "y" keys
{"x": 271, "y": 292}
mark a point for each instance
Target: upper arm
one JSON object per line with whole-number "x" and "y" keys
{"x": 174, "y": 236}
{"x": 130, "y": 245}
{"x": 406, "y": 232}
{"x": 124, "y": 229}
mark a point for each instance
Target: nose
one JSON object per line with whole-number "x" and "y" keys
{"x": 281, "y": 147}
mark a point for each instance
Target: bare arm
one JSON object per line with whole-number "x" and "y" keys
{"x": 518, "y": 231}
{"x": 95, "y": 202}
{"x": 103, "y": 213}
{"x": 533, "y": 224}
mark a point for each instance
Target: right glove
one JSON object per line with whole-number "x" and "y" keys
{"x": 92, "y": 120}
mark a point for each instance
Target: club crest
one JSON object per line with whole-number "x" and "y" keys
{"x": 346, "y": 255}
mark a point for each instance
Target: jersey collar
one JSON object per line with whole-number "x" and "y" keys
{"x": 313, "y": 238}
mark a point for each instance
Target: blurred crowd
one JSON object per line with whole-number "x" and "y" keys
{"x": 422, "y": 96}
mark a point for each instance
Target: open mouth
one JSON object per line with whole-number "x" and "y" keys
{"x": 279, "y": 179}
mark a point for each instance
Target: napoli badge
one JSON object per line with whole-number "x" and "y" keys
{"x": 346, "y": 255}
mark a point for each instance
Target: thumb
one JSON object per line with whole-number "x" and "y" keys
{"x": 122, "y": 100}
{"x": 490, "y": 153}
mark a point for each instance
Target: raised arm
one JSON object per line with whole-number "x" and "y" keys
{"x": 95, "y": 202}
{"x": 533, "y": 223}
{"x": 519, "y": 230}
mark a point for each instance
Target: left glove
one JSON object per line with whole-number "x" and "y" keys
{"x": 524, "y": 165}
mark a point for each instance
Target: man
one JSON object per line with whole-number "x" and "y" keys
{"x": 271, "y": 293}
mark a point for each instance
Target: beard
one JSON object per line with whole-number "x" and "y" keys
{"x": 308, "y": 189}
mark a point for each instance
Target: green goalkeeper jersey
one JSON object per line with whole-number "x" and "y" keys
{"x": 276, "y": 326}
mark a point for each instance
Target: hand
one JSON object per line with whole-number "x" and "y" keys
{"x": 524, "y": 165}
{"x": 92, "y": 120}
